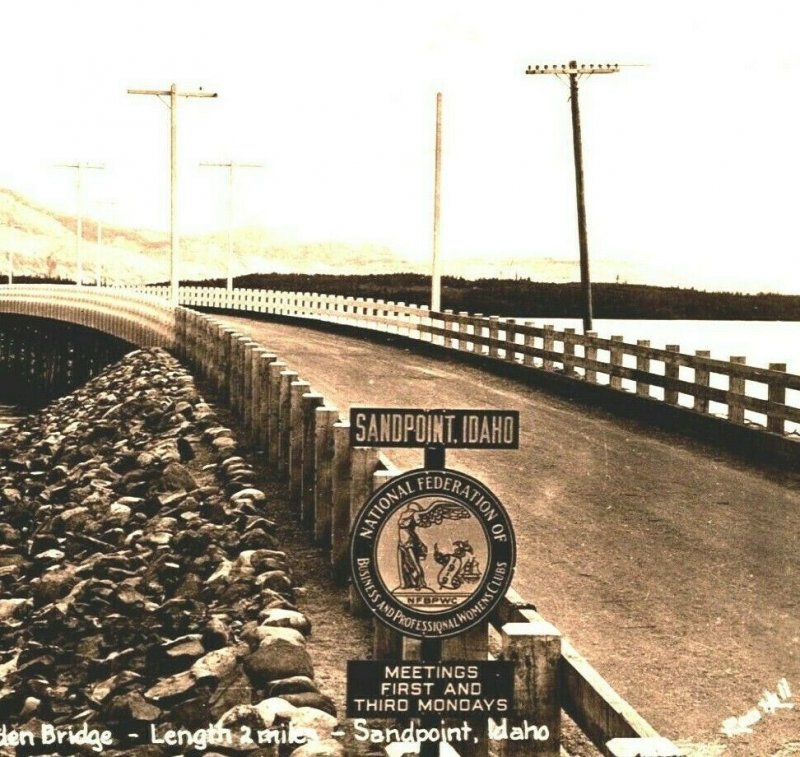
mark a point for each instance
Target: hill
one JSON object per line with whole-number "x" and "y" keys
{"x": 43, "y": 243}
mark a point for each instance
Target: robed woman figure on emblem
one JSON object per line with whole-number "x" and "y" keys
{"x": 411, "y": 550}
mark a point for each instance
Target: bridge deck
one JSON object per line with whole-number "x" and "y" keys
{"x": 671, "y": 566}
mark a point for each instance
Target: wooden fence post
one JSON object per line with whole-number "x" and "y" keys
{"x": 249, "y": 347}
{"x": 404, "y": 319}
{"x": 444, "y": 319}
{"x": 477, "y": 330}
{"x": 460, "y": 342}
{"x": 494, "y": 336}
{"x": 548, "y": 345}
{"x": 180, "y": 334}
{"x": 616, "y": 355}
{"x": 256, "y": 390}
{"x": 535, "y": 650}
{"x": 224, "y": 353}
{"x": 296, "y": 391}
{"x": 701, "y": 380}
{"x": 237, "y": 375}
{"x": 309, "y": 403}
{"x": 204, "y": 346}
{"x": 323, "y": 481}
{"x": 425, "y": 316}
{"x": 241, "y": 372}
{"x": 590, "y": 353}
{"x": 261, "y": 414}
{"x": 447, "y": 320}
{"x": 274, "y": 370}
{"x": 196, "y": 344}
{"x": 569, "y": 352}
{"x": 736, "y": 390}
{"x": 643, "y": 366}
{"x": 340, "y": 501}
{"x": 472, "y": 644}
{"x": 776, "y": 397}
{"x": 671, "y": 372}
{"x": 511, "y": 340}
{"x": 284, "y": 422}
{"x": 233, "y": 371}
{"x": 530, "y": 343}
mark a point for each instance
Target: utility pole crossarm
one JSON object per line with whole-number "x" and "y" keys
{"x": 230, "y": 164}
{"x": 574, "y": 68}
{"x": 165, "y": 92}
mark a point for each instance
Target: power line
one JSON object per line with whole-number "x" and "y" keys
{"x": 173, "y": 94}
{"x": 231, "y": 166}
{"x": 574, "y": 71}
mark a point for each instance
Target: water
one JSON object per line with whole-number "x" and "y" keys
{"x": 761, "y": 342}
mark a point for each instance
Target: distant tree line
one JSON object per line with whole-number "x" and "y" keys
{"x": 532, "y": 299}
{"x": 522, "y": 298}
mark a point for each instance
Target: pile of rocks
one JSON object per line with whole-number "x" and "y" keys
{"x": 142, "y": 587}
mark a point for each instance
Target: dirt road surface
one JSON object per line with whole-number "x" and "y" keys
{"x": 673, "y": 567}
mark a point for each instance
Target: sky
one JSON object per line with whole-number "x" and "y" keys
{"x": 690, "y": 151}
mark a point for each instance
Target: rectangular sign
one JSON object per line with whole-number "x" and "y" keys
{"x": 388, "y": 688}
{"x": 407, "y": 427}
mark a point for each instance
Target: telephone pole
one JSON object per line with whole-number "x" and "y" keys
{"x": 173, "y": 95}
{"x": 99, "y": 257}
{"x": 231, "y": 166}
{"x": 574, "y": 71}
{"x": 79, "y": 214}
{"x": 436, "y": 279}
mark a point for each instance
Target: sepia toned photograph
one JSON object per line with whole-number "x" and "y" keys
{"x": 388, "y": 379}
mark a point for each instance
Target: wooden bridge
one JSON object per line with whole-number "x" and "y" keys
{"x": 307, "y": 442}
{"x": 750, "y": 399}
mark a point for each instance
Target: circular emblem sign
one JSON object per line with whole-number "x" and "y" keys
{"x": 432, "y": 552}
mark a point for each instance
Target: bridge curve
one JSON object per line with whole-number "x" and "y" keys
{"x": 142, "y": 319}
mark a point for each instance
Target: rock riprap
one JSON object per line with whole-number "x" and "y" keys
{"x": 142, "y": 588}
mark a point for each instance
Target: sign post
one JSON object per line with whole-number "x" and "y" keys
{"x": 432, "y": 554}
{"x": 431, "y": 647}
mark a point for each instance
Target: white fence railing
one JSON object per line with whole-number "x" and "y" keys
{"x": 760, "y": 397}
{"x": 138, "y": 318}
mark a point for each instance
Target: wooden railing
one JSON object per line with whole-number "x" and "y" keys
{"x": 141, "y": 319}
{"x": 766, "y": 398}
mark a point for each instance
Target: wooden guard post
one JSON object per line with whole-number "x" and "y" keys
{"x": 296, "y": 416}
{"x": 309, "y": 403}
{"x": 535, "y": 649}
{"x": 326, "y": 418}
